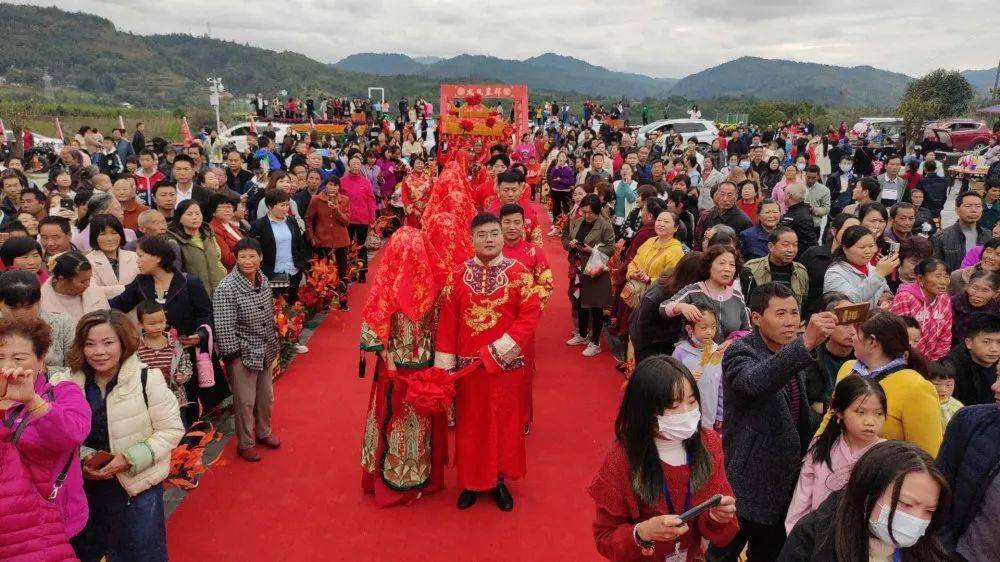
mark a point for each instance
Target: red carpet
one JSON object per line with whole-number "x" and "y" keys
{"x": 304, "y": 502}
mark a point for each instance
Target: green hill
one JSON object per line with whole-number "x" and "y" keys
{"x": 981, "y": 80}
{"x": 788, "y": 80}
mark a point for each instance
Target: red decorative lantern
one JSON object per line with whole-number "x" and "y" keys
{"x": 466, "y": 124}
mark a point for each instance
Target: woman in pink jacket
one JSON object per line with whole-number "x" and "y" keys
{"x": 41, "y": 496}
{"x": 358, "y": 190}
{"x": 927, "y": 302}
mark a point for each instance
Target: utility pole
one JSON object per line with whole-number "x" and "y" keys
{"x": 996, "y": 84}
{"x": 215, "y": 88}
{"x": 47, "y": 82}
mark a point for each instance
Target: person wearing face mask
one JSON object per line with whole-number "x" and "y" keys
{"x": 841, "y": 183}
{"x": 891, "y": 509}
{"x": 661, "y": 464}
{"x": 767, "y": 424}
{"x": 926, "y": 300}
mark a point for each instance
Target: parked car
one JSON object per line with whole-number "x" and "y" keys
{"x": 237, "y": 134}
{"x": 963, "y": 134}
{"x": 890, "y": 127}
{"x": 702, "y": 129}
{"x": 39, "y": 140}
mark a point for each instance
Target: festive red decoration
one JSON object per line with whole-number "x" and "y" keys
{"x": 466, "y": 124}
{"x": 453, "y": 112}
{"x": 474, "y": 99}
{"x": 490, "y": 121}
{"x": 432, "y": 390}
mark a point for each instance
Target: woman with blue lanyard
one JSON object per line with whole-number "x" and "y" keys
{"x": 891, "y": 510}
{"x": 661, "y": 464}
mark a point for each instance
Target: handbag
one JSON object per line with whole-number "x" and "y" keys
{"x": 373, "y": 242}
{"x": 203, "y": 362}
{"x": 633, "y": 291}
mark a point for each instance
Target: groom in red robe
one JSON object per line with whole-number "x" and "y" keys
{"x": 511, "y": 190}
{"x": 488, "y": 313}
{"x": 532, "y": 257}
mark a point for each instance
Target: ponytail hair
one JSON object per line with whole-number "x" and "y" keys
{"x": 845, "y": 393}
{"x": 890, "y": 331}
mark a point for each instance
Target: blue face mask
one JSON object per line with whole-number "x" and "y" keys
{"x": 744, "y": 166}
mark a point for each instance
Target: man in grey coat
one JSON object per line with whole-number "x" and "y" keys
{"x": 766, "y": 428}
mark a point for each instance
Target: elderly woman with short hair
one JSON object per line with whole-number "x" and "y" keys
{"x": 247, "y": 341}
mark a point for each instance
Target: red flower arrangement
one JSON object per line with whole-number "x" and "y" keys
{"x": 466, "y": 124}
{"x": 290, "y": 321}
{"x": 474, "y": 99}
{"x": 494, "y": 113}
{"x": 453, "y": 112}
{"x": 186, "y": 460}
{"x": 321, "y": 287}
{"x": 490, "y": 121}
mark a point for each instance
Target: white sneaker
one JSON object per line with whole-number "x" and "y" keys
{"x": 577, "y": 339}
{"x": 592, "y": 350}
{"x": 299, "y": 348}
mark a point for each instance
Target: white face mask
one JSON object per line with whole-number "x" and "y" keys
{"x": 845, "y": 168}
{"x": 906, "y": 528}
{"x": 800, "y": 166}
{"x": 678, "y": 427}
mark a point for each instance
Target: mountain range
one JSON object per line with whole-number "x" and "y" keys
{"x": 171, "y": 70}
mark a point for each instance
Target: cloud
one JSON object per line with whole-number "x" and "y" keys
{"x": 656, "y": 37}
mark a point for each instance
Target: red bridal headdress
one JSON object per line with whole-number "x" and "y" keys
{"x": 405, "y": 282}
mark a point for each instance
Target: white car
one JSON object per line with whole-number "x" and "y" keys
{"x": 39, "y": 140}
{"x": 701, "y": 129}
{"x": 237, "y": 134}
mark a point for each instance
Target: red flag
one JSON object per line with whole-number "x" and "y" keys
{"x": 253, "y": 127}
{"x": 312, "y": 124}
{"x": 121, "y": 123}
{"x": 3, "y": 134}
{"x": 186, "y": 131}
{"x": 59, "y": 133}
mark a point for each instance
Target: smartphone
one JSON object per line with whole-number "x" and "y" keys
{"x": 698, "y": 509}
{"x": 893, "y": 248}
{"x": 67, "y": 204}
{"x": 98, "y": 460}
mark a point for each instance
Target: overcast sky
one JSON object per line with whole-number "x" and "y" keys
{"x": 656, "y": 37}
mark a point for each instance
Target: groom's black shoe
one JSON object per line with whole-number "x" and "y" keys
{"x": 467, "y": 498}
{"x": 502, "y": 496}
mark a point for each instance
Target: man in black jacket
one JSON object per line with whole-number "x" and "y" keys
{"x": 799, "y": 218}
{"x": 767, "y": 427}
{"x": 975, "y": 360}
{"x": 952, "y": 243}
{"x": 841, "y": 183}
{"x": 725, "y": 212}
{"x": 285, "y": 250}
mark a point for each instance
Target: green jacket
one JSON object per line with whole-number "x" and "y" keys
{"x": 204, "y": 259}
{"x": 759, "y": 270}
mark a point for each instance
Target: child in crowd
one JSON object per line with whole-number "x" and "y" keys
{"x": 160, "y": 349}
{"x": 942, "y": 376}
{"x": 885, "y": 300}
{"x": 912, "y": 330}
{"x": 699, "y": 353}
{"x": 859, "y": 408}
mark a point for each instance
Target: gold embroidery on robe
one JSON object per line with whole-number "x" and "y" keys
{"x": 484, "y": 316}
{"x": 370, "y": 443}
{"x": 408, "y": 452}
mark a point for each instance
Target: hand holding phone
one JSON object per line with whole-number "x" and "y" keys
{"x": 98, "y": 460}
{"x": 700, "y": 508}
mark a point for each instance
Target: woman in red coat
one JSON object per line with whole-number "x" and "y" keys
{"x": 661, "y": 464}
{"x": 226, "y": 228}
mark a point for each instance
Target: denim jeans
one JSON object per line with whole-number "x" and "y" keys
{"x": 122, "y": 528}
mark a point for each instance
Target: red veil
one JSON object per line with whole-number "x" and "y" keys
{"x": 450, "y": 244}
{"x": 406, "y": 282}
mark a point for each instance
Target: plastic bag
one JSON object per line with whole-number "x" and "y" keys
{"x": 597, "y": 264}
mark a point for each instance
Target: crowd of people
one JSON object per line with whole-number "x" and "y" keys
{"x": 805, "y": 341}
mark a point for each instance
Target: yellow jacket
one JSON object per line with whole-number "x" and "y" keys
{"x": 654, "y": 257}
{"x": 914, "y": 409}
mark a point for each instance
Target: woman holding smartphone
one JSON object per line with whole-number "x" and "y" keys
{"x": 661, "y": 464}
{"x": 135, "y": 425}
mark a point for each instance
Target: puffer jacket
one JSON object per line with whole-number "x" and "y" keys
{"x": 934, "y": 317}
{"x": 31, "y": 527}
{"x": 145, "y": 436}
